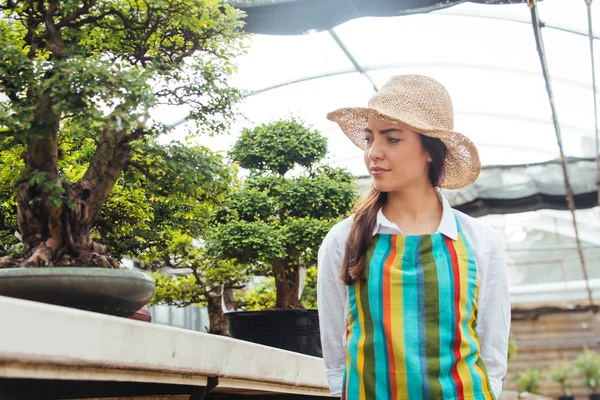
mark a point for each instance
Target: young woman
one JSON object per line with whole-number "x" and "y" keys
{"x": 412, "y": 294}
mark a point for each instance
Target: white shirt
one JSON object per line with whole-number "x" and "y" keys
{"x": 493, "y": 322}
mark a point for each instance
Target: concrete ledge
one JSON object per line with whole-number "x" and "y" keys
{"x": 49, "y": 342}
{"x": 511, "y": 395}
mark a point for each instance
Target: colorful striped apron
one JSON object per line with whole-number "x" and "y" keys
{"x": 411, "y": 324}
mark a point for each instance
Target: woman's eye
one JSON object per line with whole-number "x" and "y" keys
{"x": 368, "y": 140}
{"x": 393, "y": 140}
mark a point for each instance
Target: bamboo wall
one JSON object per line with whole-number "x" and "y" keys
{"x": 550, "y": 336}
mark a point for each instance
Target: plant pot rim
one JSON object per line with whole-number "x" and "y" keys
{"x": 7, "y": 273}
{"x": 118, "y": 292}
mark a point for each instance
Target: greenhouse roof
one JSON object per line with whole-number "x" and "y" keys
{"x": 308, "y": 57}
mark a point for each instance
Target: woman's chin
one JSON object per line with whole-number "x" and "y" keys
{"x": 382, "y": 188}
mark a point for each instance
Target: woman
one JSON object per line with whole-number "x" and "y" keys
{"x": 412, "y": 294}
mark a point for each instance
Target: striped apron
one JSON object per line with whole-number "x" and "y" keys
{"x": 411, "y": 324}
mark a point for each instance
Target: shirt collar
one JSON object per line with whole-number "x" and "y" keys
{"x": 447, "y": 225}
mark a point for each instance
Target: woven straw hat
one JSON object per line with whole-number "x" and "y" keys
{"x": 423, "y": 105}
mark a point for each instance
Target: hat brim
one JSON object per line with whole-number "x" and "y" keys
{"x": 462, "y": 165}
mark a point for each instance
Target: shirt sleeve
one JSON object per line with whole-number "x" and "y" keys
{"x": 493, "y": 325}
{"x": 331, "y": 300}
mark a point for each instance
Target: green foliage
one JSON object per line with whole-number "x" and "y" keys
{"x": 177, "y": 291}
{"x": 309, "y": 294}
{"x": 262, "y": 296}
{"x": 109, "y": 51}
{"x": 512, "y": 347}
{"x": 90, "y": 72}
{"x": 529, "y": 380}
{"x": 272, "y": 219}
{"x": 152, "y": 202}
{"x": 156, "y": 201}
{"x": 11, "y": 167}
{"x": 206, "y": 275}
{"x": 588, "y": 365}
{"x": 279, "y": 146}
{"x": 562, "y": 374}
{"x": 248, "y": 242}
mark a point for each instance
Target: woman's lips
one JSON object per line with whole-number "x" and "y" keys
{"x": 378, "y": 170}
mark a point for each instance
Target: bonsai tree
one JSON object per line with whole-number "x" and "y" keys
{"x": 528, "y": 381}
{"x": 207, "y": 283}
{"x": 157, "y": 218}
{"x": 278, "y": 216}
{"x": 588, "y": 365}
{"x": 263, "y": 296}
{"x": 148, "y": 210}
{"x": 562, "y": 374}
{"x": 96, "y": 68}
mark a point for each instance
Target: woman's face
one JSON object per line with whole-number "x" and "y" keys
{"x": 394, "y": 156}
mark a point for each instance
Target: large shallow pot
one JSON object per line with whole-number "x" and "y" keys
{"x": 119, "y": 292}
{"x": 566, "y": 397}
{"x": 293, "y": 330}
{"x": 595, "y": 396}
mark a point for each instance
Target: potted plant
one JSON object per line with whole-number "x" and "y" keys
{"x": 205, "y": 282}
{"x": 262, "y": 296}
{"x": 562, "y": 374}
{"x": 528, "y": 381}
{"x": 275, "y": 222}
{"x": 94, "y": 70}
{"x": 588, "y": 365}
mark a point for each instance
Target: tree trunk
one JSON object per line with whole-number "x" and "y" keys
{"x": 287, "y": 282}
{"x": 55, "y": 222}
{"x": 57, "y": 236}
{"x": 228, "y": 298}
{"x": 218, "y": 321}
{"x": 57, "y": 232}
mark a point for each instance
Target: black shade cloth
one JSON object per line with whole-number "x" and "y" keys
{"x": 515, "y": 189}
{"x": 294, "y": 17}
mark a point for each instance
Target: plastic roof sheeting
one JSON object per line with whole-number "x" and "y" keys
{"x": 299, "y": 16}
{"x": 480, "y": 52}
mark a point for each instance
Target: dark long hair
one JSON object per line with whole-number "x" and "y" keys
{"x": 366, "y": 209}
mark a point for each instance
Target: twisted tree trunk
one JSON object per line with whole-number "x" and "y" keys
{"x": 218, "y": 321}
{"x": 287, "y": 283}
{"x": 54, "y": 221}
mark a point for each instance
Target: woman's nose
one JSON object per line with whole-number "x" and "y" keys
{"x": 375, "y": 151}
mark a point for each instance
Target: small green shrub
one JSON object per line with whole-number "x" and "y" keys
{"x": 512, "y": 347}
{"x": 529, "y": 380}
{"x": 562, "y": 374}
{"x": 588, "y": 365}
{"x": 263, "y": 296}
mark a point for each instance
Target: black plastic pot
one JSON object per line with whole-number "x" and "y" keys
{"x": 293, "y": 330}
{"x": 566, "y": 397}
{"x": 595, "y": 396}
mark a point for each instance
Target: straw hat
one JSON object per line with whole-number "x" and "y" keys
{"x": 423, "y": 105}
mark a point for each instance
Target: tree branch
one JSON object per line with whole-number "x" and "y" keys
{"x": 42, "y": 145}
{"x": 135, "y": 135}
{"x": 10, "y": 89}
{"x": 105, "y": 169}
{"x": 148, "y": 175}
{"x": 75, "y": 14}
{"x": 55, "y": 40}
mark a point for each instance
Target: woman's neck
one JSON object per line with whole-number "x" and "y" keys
{"x": 416, "y": 211}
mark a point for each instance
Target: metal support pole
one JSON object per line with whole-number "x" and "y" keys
{"x": 591, "y": 39}
{"x": 535, "y": 20}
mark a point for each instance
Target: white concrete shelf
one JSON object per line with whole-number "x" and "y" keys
{"x": 45, "y": 342}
